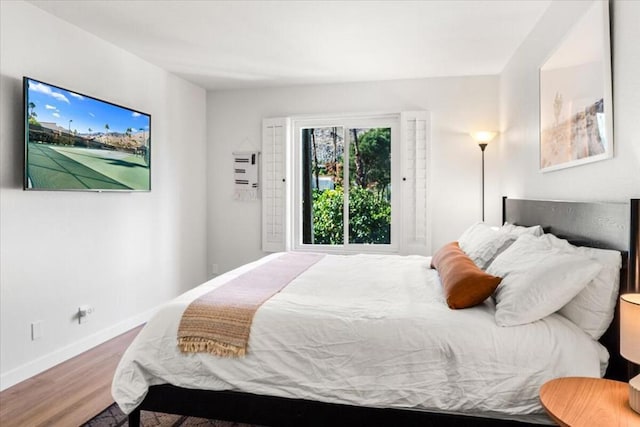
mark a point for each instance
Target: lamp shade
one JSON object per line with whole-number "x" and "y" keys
{"x": 483, "y": 136}
{"x": 630, "y": 327}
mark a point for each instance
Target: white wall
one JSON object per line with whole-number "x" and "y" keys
{"x": 458, "y": 106}
{"x": 123, "y": 253}
{"x": 617, "y": 179}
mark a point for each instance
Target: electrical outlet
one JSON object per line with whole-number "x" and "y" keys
{"x": 36, "y": 330}
{"x": 214, "y": 269}
{"x": 83, "y": 312}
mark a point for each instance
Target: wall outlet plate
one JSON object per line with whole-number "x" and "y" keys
{"x": 36, "y": 330}
{"x": 83, "y": 312}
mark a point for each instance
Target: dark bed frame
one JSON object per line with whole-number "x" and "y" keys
{"x": 602, "y": 225}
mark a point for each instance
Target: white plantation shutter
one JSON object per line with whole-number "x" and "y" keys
{"x": 415, "y": 140}
{"x": 274, "y": 191}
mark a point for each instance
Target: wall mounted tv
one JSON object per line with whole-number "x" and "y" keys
{"x": 77, "y": 142}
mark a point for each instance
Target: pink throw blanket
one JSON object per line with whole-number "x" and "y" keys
{"x": 219, "y": 322}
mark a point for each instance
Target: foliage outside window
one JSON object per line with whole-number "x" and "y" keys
{"x": 364, "y": 186}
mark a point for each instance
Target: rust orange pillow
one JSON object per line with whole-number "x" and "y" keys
{"x": 464, "y": 284}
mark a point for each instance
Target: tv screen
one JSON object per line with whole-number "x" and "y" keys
{"x": 77, "y": 142}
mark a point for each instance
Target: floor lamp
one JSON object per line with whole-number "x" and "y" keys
{"x": 483, "y": 138}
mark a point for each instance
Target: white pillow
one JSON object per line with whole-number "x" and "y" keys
{"x": 482, "y": 243}
{"x": 519, "y": 230}
{"x": 537, "y": 280}
{"x": 593, "y": 308}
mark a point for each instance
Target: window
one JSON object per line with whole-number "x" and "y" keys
{"x": 346, "y": 184}
{"x": 346, "y": 170}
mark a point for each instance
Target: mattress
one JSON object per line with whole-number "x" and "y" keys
{"x": 369, "y": 330}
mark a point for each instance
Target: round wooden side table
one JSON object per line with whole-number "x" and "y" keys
{"x": 586, "y": 402}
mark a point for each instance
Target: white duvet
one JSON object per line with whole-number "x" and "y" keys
{"x": 369, "y": 330}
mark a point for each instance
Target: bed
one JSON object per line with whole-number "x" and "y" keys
{"x": 288, "y": 389}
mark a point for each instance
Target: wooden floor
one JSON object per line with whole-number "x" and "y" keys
{"x": 68, "y": 394}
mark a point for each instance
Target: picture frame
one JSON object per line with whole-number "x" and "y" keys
{"x": 576, "y": 109}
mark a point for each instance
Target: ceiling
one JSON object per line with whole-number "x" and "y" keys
{"x": 248, "y": 44}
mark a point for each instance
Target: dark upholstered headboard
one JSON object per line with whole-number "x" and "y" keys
{"x": 600, "y": 225}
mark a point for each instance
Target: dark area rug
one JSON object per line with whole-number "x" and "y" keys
{"x": 113, "y": 417}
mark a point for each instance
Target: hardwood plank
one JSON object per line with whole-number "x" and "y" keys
{"x": 68, "y": 394}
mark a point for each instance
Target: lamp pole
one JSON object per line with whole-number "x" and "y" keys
{"x": 482, "y": 147}
{"x": 483, "y": 137}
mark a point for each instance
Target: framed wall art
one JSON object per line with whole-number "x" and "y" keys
{"x": 576, "y": 116}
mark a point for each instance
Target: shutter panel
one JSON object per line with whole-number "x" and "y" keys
{"x": 415, "y": 134}
{"x": 274, "y": 172}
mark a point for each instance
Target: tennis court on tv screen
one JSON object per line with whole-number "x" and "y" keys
{"x": 66, "y": 161}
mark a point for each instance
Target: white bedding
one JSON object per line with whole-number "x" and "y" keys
{"x": 369, "y": 330}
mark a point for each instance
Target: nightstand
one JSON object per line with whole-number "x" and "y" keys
{"x": 582, "y": 402}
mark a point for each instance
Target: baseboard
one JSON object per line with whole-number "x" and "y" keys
{"x": 50, "y": 360}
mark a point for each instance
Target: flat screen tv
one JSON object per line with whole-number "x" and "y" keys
{"x": 77, "y": 142}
